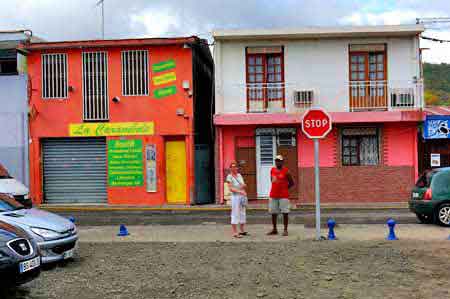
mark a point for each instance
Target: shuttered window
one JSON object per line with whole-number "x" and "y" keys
{"x": 135, "y": 73}
{"x": 95, "y": 86}
{"x": 54, "y": 76}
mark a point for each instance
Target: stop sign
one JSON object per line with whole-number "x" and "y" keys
{"x": 316, "y": 123}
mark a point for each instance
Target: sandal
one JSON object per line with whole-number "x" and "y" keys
{"x": 244, "y": 234}
{"x": 272, "y": 233}
{"x": 237, "y": 236}
{"x": 285, "y": 233}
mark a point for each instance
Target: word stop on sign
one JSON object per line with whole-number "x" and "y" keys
{"x": 316, "y": 123}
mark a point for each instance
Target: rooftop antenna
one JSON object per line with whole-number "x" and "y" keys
{"x": 100, "y": 2}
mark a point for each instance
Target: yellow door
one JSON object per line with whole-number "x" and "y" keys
{"x": 176, "y": 177}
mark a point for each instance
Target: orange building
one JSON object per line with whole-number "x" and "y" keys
{"x": 121, "y": 121}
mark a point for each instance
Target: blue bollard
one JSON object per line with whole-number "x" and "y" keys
{"x": 72, "y": 219}
{"x": 331, "y": 224}
{"x": 391, "y": 224}
{"x": 123, "y": 231}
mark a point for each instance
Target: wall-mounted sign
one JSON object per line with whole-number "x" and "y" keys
{"x": 435, "y": 160}
{"x": 163, "y": 66}
{"x": 165, "y": 91}
{"x": 125, "y": 163}
{"x": 111, "y": 129}
{"x": 164, "y": 78}
{"x": 436, "y": 127}
{"x": 150, "y": 159}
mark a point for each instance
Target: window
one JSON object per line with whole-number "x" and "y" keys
{"x": 360, "y": 146}
{"x": 54, "y": 76}
{"x": 135, "y": 73}
{"x": 95, "y": 86}
{"x": 265, "y": 78}
{"x": 8, "y": 62}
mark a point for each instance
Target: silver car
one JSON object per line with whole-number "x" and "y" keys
{"x": 56, "y": 236}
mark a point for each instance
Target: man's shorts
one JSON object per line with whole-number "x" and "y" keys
{"x": 279, "y": 206}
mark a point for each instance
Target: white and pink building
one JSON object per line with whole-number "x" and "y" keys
{"x": 369, "y": 80}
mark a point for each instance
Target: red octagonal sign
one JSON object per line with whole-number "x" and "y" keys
{"x": 316, "y": 123}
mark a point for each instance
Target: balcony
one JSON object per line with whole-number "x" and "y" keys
{"x": 353, "y": 96}
{"x": 385, "y": 95}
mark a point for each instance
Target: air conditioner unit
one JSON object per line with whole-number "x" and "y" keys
{"x": 402, "y": 97}
{"x": 303, "y": 98}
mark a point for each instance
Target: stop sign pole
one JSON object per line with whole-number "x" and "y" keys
{"x": 316, "y": 124}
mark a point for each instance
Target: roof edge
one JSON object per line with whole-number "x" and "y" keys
{"x": 314, "y": 32}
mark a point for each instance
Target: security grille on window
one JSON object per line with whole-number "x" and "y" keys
{"x": 360, "y": 146}
{"x": 286, "y": 137}
{"x": 135, "y": 73}
{"x": 54, "y": 76}
{"x": 303, "y": 98}
{"x": 95, "y": 86}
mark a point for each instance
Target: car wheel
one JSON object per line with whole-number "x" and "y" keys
{"x": 424, "y": 218}
{"x": 443, "y": 215}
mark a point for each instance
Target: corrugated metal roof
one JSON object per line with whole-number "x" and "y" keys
{"x": 111, "y": 43}
{"x": 437, "y": 110}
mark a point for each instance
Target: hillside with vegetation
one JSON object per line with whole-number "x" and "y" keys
{"x": 437, "y": 84}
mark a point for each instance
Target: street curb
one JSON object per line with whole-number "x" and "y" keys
{"x": 210, "y": 209}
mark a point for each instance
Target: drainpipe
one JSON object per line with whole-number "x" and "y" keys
{"x": 220, "y": 138}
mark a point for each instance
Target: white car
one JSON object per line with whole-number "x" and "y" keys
{"x": 11, "y": 186}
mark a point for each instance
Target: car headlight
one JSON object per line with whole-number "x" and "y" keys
{"x": 45, "y": 233}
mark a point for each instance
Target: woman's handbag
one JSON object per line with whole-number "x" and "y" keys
{"x": 244, "y": 201}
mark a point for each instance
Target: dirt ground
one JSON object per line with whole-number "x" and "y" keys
{"x": 289, "y": 269}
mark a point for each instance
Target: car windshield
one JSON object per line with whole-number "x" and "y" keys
{"x": 4, "y": 173}
{"x": 8, "y": 204}
{"x": 425, "y": 180}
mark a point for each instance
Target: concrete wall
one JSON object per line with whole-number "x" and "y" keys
{"x": 321, "y": 65}
{"x": 14, "y": 127}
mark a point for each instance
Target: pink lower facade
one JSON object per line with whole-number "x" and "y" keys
{"x": 367, "y": 157}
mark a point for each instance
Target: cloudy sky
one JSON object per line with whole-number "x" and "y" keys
{"x": 80, "y": 19}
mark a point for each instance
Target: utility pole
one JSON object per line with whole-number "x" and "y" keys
{"x": 100, "y": 2}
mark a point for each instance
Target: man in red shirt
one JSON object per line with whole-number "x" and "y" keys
{"x": 279, "y": 194}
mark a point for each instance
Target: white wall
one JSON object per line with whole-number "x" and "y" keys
{"x": 321, "y": 65}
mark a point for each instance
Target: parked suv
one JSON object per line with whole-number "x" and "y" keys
{"x": 10, "y": 185}
{"x": 430, "y": 198}
{"x": 19, "y": 256}
{"x": 56, "y": 236}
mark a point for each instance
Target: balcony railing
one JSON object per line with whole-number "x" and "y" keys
{"x": 352, "y": 96}
{"x": 265, "y": 97}
{"x": 385, "y": 95}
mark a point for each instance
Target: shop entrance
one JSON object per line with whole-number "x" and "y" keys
{"x": 176, "y": 174}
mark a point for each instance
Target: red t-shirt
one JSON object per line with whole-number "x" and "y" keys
{"x": 280, "y": 188}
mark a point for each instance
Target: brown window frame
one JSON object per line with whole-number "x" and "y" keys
{"x": 358, "y": 139}
{"x": 264, "y": 57}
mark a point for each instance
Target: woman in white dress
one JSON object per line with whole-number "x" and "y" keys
{"x": 237, "y": 187}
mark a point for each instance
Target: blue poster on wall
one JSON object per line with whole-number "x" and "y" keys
{"x": 436, "y": 127}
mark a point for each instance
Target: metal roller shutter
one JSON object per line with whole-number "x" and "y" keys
{"x": 75, "y": 170}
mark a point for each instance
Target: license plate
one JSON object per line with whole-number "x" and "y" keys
{"x": 68, "y": 254}
{"x": 30, "y": 265}
{"x": 416, "y": 195}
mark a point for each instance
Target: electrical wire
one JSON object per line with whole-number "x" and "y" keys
{"x": 433, "y": 39}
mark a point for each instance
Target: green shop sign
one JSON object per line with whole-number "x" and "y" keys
{"x": 165, "y": 91}
{"x": 163, "y": 66}
{"x": 125, "y": 163}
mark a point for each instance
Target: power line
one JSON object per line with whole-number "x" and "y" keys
{"x": 433, "y": 39}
